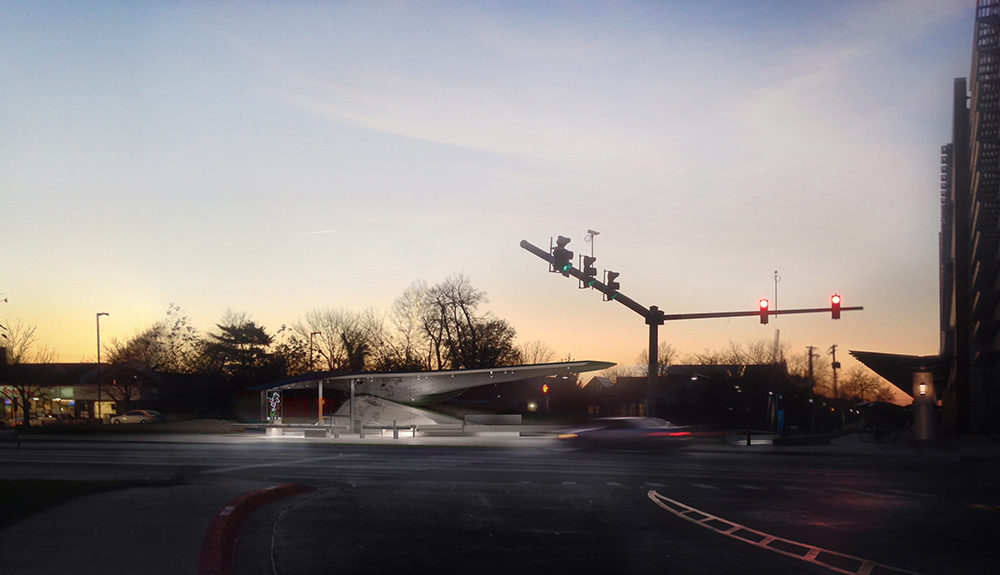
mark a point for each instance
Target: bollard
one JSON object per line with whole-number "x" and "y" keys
{"x": 395, "y": 430}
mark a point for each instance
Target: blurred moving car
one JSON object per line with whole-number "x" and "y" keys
{"x": 139, "y": 416}
{"x": 651, "y": 433}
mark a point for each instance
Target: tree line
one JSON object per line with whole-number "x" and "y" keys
{"x": 428, "y": 327}
{"x": 857, "y": 383}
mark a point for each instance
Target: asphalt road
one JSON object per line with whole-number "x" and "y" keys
{"x": 540, "y": 511}
{"x": 383, "y": 509}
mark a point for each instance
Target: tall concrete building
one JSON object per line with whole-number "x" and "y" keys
{"x": 970, "y": 237}
{"x": 966, "y": 371}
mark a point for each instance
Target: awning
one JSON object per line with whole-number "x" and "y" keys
{"x": 899, "y": 369}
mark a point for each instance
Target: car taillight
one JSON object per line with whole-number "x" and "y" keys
{"x": 568, "y": 436}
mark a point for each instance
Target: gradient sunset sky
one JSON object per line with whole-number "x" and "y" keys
{"x": 278, "y": 158}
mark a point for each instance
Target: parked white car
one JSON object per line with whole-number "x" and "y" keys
{"x": 139, "y": 416}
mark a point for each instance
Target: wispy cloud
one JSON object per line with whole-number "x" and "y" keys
{"x": 316, "y": 233}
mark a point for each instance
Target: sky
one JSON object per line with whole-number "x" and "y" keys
{"x": 278, "y": 158}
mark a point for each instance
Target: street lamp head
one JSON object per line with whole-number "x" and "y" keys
{"x": 100, "y": 313}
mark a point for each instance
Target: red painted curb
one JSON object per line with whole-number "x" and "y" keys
{"x": 218, "y": 546}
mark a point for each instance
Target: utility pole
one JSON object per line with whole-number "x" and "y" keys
{"x": 812, "y": 354}
{"x": 836, "y": 365}
{"x": 777, "y": 278}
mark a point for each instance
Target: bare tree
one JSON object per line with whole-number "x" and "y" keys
{"x": 123, "y": 383}
{"x": 459, "y": 337}
{"x": 758, "y": 352}
{"x": 346, "y": 339}
{"x": 21, "y": 383}
{"x": 615, "y": 372}
{"x": 410, "y": 346}
{"x": 665, "y": 355}
{"x": 170, "y": 345}
{"x": 798, "y": 365}
{"x": 861, "y": 384}
{"x": 293, "y": 349}
{"x": 536, "y": 351}
{"x": 451, "y": 323}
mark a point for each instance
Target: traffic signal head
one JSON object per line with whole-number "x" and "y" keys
{"x": 589, "y": 270}
{"x": 764, "y": 304}
{"x": 612, "y": 283}
{"x": 562, "y": 259}
{"x": 835, "y": 306}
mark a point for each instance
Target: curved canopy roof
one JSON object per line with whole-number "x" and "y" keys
{"x": 899, "y": 369}
{"x": 420, "y": 387}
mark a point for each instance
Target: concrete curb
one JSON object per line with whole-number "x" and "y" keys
{"x": 218, "y": 547}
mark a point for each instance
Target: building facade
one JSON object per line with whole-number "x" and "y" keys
{"x": 970, "y": 237}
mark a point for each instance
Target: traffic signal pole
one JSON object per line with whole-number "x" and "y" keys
{"x": 592, "y": 282}
{"x": 655, "y": 317}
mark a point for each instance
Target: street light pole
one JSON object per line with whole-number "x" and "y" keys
{"x": 97, "y": 408}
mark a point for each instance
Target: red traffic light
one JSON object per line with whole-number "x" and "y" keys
{"x": 835, "y": 306}
{"x": 764, "y": 304}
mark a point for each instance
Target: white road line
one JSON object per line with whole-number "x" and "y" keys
{"x": 270, "y": 464}
{"x": 705, "y": 486}
{"x": 752, "y": 487}
{"x": 802, "y": 551}
{"x": 911, "y": 493}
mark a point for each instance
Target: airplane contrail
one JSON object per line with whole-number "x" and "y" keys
{"x": 316, "y": 233}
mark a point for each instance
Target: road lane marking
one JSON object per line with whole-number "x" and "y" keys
{"x": 911, "y": 493}
{"x": 705, "y": 486}
{"x": 271, "y": 464}
{"x": 832, "y": 560}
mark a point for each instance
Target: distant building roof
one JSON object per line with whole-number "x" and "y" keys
{"x": 599, "y": 382}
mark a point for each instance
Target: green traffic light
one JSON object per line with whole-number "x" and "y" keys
{"x": 567, "y": 267}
